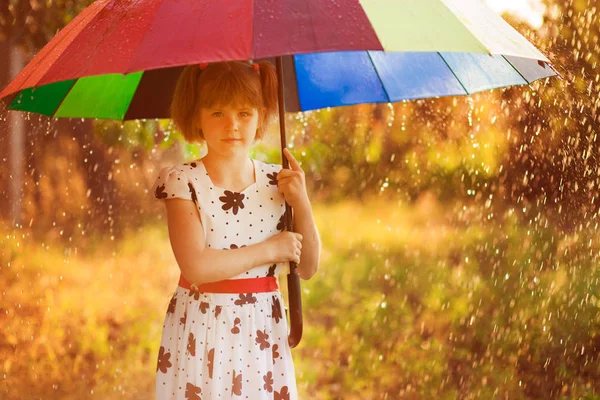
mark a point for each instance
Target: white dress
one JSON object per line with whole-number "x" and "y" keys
{"x": 224, "y": 346}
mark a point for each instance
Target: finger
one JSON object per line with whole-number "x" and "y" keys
{"x": 283, "y": 172}
{"x": 285, "y": 180}
{"x": 294, "y": 165}
{"x": 282, "y": 179}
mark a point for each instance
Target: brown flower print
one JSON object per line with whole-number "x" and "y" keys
{"x": 261, "y": 339}
{"x": 163, "y": 360}
{"x": 195, "y": 294}
{"x": 211, "y": 362}
{"x": 160, "y": 193}
{"x": 204, "y": 306}
{"x": 218, "y": 311}
{"x": 236, "y": 328}
{"x": 193, "y": 193}
{"x": 281, "y": 223}
{"x": 192, "y": 392}
{"x": 245, "y": 299}
{"x": 235, "y": 246}
{"x": 272, "y": 178}
{"x": 275, "y": 352}
{"x": 236, "y": 384}
{"x": 272, "y": 270}
{"x": 193, "y": 164}
{"x": 283, "y": 394}
{"x": 232, "y": 200}
{"x": 183, "y": 319}
{"x": 172, "y": 305}
{"x": 191, "y": 344}
{"x": 276, "y": 309}
{"x": 268, "y": 378}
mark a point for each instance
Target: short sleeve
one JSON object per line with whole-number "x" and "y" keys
{"x": 172, "y": 183}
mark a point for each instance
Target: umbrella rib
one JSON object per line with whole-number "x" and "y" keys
{"x": 519, "y": 72}
{"x": 448, "y": 65}
{"x": 379, "y": 77}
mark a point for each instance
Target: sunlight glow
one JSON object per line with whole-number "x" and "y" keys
{"x": 530, "y": 11}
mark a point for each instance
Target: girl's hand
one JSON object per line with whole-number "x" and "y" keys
{"x": 292, "y": 184}
{"x": 285, "y": 246}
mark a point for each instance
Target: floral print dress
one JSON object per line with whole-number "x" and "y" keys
{"x": 227, "y": 346}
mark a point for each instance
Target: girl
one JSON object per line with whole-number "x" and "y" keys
{"x": 225, "y": 333}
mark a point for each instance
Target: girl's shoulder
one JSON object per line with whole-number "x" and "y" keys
{"x": 174, "y": 181}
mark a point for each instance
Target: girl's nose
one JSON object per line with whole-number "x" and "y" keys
{"x": 232, "y": 123}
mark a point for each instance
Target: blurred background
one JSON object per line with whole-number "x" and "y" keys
{"x": 460, "y": 235}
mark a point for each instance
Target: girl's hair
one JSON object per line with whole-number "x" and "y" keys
{"x": 223, "y": 83}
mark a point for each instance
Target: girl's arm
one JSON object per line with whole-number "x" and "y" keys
{"x": 198, "y": 263}
{"x": 304, "y": 224}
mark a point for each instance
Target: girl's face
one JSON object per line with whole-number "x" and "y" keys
{"x": 229, "y": 128}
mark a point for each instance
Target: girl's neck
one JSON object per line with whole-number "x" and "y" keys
{"x": 229, "y": 172}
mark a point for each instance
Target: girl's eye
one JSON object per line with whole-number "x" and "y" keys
{"x": 216, "y": 114}
{"x": 245, "y": 114}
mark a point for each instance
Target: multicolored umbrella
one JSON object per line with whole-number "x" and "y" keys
{"x": 120, "y": 59}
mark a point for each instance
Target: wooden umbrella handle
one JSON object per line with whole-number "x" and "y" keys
{"x": 294, "y": 294}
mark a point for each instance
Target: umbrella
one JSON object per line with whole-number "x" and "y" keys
{"x": 120, "y": 59}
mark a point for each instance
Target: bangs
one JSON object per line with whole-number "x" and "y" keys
{"x": 229, "y": 88}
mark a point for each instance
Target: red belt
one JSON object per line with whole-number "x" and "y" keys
{"x": 248, "y": 285}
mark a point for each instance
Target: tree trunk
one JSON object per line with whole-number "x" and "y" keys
{"x": 17, "y": 124}
{"x": 4, "y": 131}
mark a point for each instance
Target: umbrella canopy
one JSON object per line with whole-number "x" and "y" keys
{"x": 121, "y": 59}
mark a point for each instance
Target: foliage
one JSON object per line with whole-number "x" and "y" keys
{"x": 32, "y": 24}
{"x": 413, "y": 304}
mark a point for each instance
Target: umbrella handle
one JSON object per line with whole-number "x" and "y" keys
{"x": 294, "y": 294}
{"x": 294, "y": 297}
{"x": 295, "y": 312}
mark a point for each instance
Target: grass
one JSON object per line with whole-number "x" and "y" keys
{"x": 406, "y": 304}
